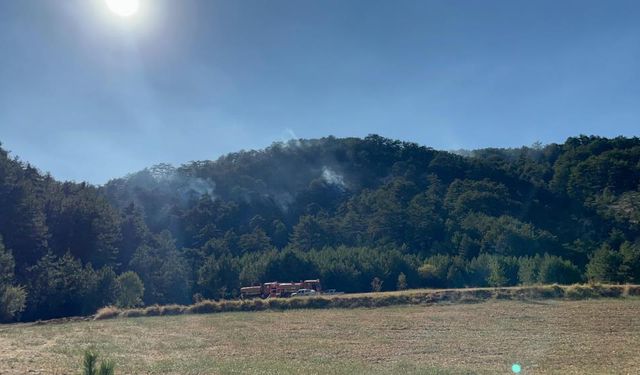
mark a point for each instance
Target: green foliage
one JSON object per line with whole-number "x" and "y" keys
{"x": 129, "y": 290}
{"x": 219, "y": 277}
{"x": 90, "y": 364}
{"x": 256, "y": 241}
{"x": 457, "y": 273}
{"x": 479, "y": 269}
{"x": 604, "y": 266}
{"x": 426, "y": 216}
{"x": 344, "y": 210}
{"x": 503, "y": 272}
{"x": 485, "y": 196}
{"x": 311, "y": 232}
{"x": 557, "y": 270}
{"x": 402, "y": 282}
{"x": 497, "y": 270}
{"x": 435, "y": 270}
{"x": 12, "y": 298}
{"x": 630, "y": 268}
{"x": 529, "y": 270}
{"x": 60, "y": 286}
{"x": 13, "y": 301}
{"x": 7, "y": 265}
{"x": 163, "y": 271}
{"x": 290, "y": 265}
{"x": 107, "y": 368}
{"x": 376, "y": 284}
{"x": 352, "y": 269}
{"x": 102, "y": 289}
{"x": 429, "y": 274}
{"x": 134, "y": 233}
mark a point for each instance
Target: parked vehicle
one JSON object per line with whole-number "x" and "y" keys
{"x": 277, "y": 289}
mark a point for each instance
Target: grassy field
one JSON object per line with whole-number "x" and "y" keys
{"x": 547, "y": 337}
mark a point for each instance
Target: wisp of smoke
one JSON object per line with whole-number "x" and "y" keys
{"x": 195, "y": 187}
{"x": 333, "y": 178}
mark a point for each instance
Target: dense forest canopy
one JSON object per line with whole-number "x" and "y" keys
{"x": 345, "y": 210}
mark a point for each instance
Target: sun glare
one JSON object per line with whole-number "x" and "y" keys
{"x": 124, "y": 8}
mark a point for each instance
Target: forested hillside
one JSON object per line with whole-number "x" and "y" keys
{"x": 349, "y": 211}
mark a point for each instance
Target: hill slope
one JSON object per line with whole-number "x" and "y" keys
{"x": 345, "y": 210}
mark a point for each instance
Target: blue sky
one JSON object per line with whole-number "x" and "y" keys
{"x": 87, "y": 95}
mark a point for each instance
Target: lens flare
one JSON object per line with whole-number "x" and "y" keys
{"x": 516, "y": 368}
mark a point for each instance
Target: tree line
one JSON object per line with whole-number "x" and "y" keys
{"x": 361, "y": 214}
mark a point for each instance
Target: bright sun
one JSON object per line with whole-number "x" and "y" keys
{"x": 124, "y": 8}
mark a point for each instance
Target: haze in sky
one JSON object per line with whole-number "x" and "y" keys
{"x": 88, "y": 94}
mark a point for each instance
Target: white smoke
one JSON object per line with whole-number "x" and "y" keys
{"x": 283, "y": 200}
{"x": 187, "y": 186}
{"x": 198, "y": 186}
{"x": 333, "y": 178}
{"x": 290, "y": 139}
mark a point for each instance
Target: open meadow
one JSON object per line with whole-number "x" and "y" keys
{"x": 599, "y": 336}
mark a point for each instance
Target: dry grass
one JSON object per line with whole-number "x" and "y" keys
{"x": 598, "y": 336}
{"x": 108, "y": 312}
{"x": 406, "y": 297}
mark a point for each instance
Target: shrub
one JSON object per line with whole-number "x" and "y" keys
{"x": 456, "y": 274}
{"x": 479, "y": 270}
{"x": 630, "y": 268}
{"x": 480, "y": 294}
{"x": 318, "y": 302}
{"x": 12, "y": 302}
{"x": 557, "y": 270}
{"x": 581, "y": 292}
{"x": 172, "y": 310}
{"x": 107, "y": 312}
{"x": 544, "y": 292}
{"x": 12, "y": 298}
{"x": 633, "y": 290}
{"x": 610, "y": 291}
{"x": 376, "y": 284}
{"x": 129, "y": 290}
{"x": 497, "y": 276}
{"x": 402, "y": 281}
{"x": 90, "y": 364}
{"x": 134, "y": 313}
{"x": 604, "y": 265}
{"x": 428, "y": 273}
{"x": 277, "y": 303}
{"x": 529, "y": 269}
{"x": 204, "y": 307}
{"x": 107, "y": 368}
{"x": 297, "y": 303}
{"x": 151, "y": 311}
{"x": 259, "y": 304}
{"x": 503, "y": 294}
{"x": 434, "y": 271}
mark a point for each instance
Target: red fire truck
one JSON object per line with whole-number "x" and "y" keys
{"x": 277, "y": 289}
